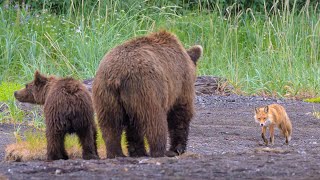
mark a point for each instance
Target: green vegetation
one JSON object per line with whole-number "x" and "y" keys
{"x": 272, "y": 53}
{"x": 313, "y": 100}
{"x": 9, "y": 110}
{"x": 7, "y": 89}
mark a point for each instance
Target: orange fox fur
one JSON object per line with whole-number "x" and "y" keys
{"x": 272, "y": 115}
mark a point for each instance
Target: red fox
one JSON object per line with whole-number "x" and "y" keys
{"x": 272, "y": 115}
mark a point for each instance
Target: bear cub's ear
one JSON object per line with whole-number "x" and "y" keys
{"x": 195, "y": 52}
{"x": 39, "y": 79}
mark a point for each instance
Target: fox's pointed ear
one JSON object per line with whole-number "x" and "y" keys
{"x": 195, "y": 52}
{"x": 256, "y": 109}
{"x": 266, "y": 109}
{"x": 39, "y": 79}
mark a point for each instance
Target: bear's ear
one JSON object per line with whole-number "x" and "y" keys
{"x": 39, "y": 79}
{"x": 195, "y": 52}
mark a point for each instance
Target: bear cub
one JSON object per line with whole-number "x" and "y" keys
{"x": 68, "y": 109}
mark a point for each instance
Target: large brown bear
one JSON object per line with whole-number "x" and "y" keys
{"x": 68, "y": 109}
{"x": 146, "y": 87}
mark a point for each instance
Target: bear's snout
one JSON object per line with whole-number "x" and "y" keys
{"x": 24, "y": 96}
{"x": 17, "y": 95}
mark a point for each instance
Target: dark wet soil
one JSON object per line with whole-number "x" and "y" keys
{"x": 224, "y": 143}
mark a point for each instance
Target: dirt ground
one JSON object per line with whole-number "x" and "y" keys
{"x": 224, "y": 143}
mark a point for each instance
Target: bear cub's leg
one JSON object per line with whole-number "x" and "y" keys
{"x": 55, "y": 146}
{"x": 179, "y": 119}
{"x": 88, "y": 143}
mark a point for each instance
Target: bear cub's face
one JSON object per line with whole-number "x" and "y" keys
{"x": 34, "y": 92}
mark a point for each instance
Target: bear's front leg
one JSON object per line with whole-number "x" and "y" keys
{"x": 179, "y": 119}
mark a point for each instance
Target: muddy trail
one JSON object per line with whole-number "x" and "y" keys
{"x": 224, "y": 143}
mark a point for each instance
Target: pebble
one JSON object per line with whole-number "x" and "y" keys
{"x": 58, "y": 171}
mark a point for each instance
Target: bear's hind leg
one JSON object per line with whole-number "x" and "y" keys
{"x": 156, "y": 132}
{"x": 88, "y": 142}
{"x": 135, "y": 141}
{"x": 110, "y": 116}
{"x": 179, "y": 118}
{"x": 55, "y": 146}
{"x": 112, "y": 139}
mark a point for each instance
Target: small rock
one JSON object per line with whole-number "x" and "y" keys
{"x": 143, "y": 161}
{"x": 231, "y": 100}
{"x": 58, "y": 171}
{"x": 302, "y": 152}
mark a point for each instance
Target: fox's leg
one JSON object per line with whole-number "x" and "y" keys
{"x": 286, "y": 134}
{"x": 271, "y": 129}
{"x": 263, "y": 135}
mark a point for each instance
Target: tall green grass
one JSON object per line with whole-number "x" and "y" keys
{"x": 9, "y": 112}
{"x": 272, "y": 53}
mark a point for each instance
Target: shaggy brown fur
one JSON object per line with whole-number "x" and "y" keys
{"x": 146, "y": 87}
{"x": 67, "y": 108}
